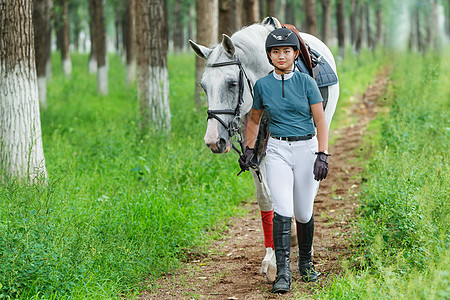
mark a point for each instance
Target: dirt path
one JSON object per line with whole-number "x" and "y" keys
{"x": 230, "y": 269}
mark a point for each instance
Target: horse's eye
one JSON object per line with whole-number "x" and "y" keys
{"x": 232, "y": 85}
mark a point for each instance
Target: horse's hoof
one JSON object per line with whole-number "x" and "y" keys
{"x": 265, "y": 263}
{"x": 271, "y": 273}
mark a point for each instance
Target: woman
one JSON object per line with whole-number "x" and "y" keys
{"x": 295, "y": 159}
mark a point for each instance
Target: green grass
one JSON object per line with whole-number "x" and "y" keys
{"x": 120, "y": 205}
{"x": 404, "y": 217}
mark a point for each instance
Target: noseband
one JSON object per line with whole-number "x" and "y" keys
{"x": 234, "y": 126}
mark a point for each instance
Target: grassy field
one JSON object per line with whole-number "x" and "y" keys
{"x": 122, "y": 205}
{"x": 404, "y": 217}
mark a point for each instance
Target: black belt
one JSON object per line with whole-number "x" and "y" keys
{"x": 294, "y": 138}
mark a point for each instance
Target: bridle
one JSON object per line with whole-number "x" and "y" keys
{"x": 234, "y": 126}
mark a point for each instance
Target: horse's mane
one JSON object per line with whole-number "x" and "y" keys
{"x": 249, "y": 38}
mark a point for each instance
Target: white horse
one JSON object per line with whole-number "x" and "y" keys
{"x": 228, "y": 67}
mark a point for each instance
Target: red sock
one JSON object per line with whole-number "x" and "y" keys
{"x": 267, "y": 224}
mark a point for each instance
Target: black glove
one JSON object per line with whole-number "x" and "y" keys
{"x": 244, "y": 159}
{"x": 321, "y": 166}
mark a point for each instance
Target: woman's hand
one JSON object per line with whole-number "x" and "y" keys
{"x": 245, "y": 159}
{"x": 320, "y": 166}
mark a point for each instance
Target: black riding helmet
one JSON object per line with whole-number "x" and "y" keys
{"x": 281, "y": 37}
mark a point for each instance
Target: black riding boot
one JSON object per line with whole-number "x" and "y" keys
{"x": 305, "y": 234}
{"x": 282, "y": 243}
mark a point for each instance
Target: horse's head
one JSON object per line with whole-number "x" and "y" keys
{"x": 228, "y": 99}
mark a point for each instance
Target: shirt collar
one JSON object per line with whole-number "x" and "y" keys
{"x": 286, "y": 76}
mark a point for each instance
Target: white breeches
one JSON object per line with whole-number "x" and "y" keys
{"x": 290, "y": 177}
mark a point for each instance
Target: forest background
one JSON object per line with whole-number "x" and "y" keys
{"x": 127, "y": 189}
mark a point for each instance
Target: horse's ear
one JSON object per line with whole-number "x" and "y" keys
{"x": 228, "y": 45}
{"x": 200, "y": 50}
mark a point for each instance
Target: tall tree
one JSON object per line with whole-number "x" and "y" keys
{"x": 92, "y": 54}
{"x": 153, "y": 77}
{"x": 353, "y": 23}
{"x": 62, "y": 29}
{"x": 340, "y": 20}
{"x": 76, "y": 23}
{"x": 191, "y": 20}
{"x": 229, "y": 16}
{"x": 310, "y": 16}
{"x": 290, "y": 13}
{"x": 271, "y": 8}
{"x": 177, "y": 29}
{"x": 360, "y": 32}
{"x": 207, "y": 34}
{"x": 98, "y": 27}
{"x": 368, "y": 26}
{"x": 282, "y": 11}
{"x": 419, "y": 36}
{"x": 378, "y": 23}
{"x": 129, "y": 39}
{"x": 41, "y": 24}
{"x": 250, "y": 13}
{"x": 326, "y": 20}
{"x": 21, "y": 152}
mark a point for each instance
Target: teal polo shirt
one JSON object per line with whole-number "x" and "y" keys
{"x": 289, "y": 115}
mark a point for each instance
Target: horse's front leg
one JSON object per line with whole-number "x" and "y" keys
{"x": 268, "y": 264}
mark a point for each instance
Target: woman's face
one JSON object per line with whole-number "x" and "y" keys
{"x": 283, "y": 57}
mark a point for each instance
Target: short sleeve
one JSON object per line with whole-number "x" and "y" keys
{"x": 257, "y": 101}
{"x": 312, "y": 91}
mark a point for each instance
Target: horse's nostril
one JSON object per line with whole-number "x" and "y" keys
{"x": 208, "y": 145}
{"x": 221, "y": 144}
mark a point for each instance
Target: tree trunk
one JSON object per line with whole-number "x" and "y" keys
{"x": 378, "y": 24}
{"x": 418, "y": 30}
{"x": 192, "y": 21}
{"x": 290, "y": 13}
{"x": 207, "y": 34}
{"x": 310, "y": 16}
{"x": 229, "y": 17}
{"x": 129, "y": 40}
{"x": 435, "y": 41}
{"x": 41, "y": 24}
{"x": 282, "y": 11}
{"x": 63, "y": 27}
{"x": 271, "y": 8}
{"x": 21, "y": 152}
{"x": 353, "y": 27}
{"x": 117, "y": 29}
{"x": 153, "y": 77}
{"x": 251, "y": 12}
{"x": 368, "y": 29}
{"x": 100, "y": 46}
{"x": 177, "y": 30}
{"x": 48, "y": 66}
{"x": 359, "y": 37}
{"x": 262, "y": 9}
{"x": 326, "y": 20}
{"x": 76, "y": 22}
{"x": 92, "y": 55}
{"x": 340, "y": 18}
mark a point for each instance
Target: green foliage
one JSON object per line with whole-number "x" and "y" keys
{"x": 120, "y": 205}
{"x": 404, "y": 224}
